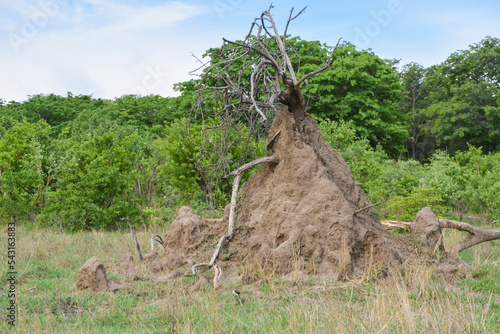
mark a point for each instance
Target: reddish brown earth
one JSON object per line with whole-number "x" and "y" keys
{"x": 92, "y": 276}
{"x": 298, "y": 214}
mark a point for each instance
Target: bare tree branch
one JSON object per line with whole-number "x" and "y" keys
{"x": 241, "y": 169}
{"x": 282, "y": 49}
{"x": 366, "y": 208}
{"x": 237, "y": 173}
{"x": 476, "y": 235}
{"x": 252, "y": 93}
{"x": 321, "y": 69}
{"x": 134, "y": 238}
{"x": 290, "y": 19}
{"x": 242, "y": 87}
{"x": 203, "y": 65}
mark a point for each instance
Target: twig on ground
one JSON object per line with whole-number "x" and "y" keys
{"x": 134, "y": 237}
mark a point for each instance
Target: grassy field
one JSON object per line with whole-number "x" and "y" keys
{"x": 414, "y": 299}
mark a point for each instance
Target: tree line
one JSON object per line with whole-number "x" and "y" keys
{"x": 412, "y": 136}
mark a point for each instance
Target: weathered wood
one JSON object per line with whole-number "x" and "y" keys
{"x": 230, "y": 230}
{"x": 217, "y": 276}
{"x": 241, "y": 169}
{"x": 322, "y": 68}
{"x": 395, "y": 224}
{"x": 156, "y": 238}
{"x": 476, "y": 235}
{"x": 193, "y": 269}
{"x": 134, "y": 237}
{"x": 366, "y": 208}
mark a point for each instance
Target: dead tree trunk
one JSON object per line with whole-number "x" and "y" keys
{"x": 476, "y": 235}
{"x": 242, "y": 86}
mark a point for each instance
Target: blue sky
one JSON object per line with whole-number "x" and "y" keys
{"x": 108, "y": 48}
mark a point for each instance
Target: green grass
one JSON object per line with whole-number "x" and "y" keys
{"x": 414, "y": 299}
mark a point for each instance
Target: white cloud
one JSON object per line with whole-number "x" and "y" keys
{"x": 103, "y": 48}
{"x": 120, "y": 18}
{"x": 112, "y": 47}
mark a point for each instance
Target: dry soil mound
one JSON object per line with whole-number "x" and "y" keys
{"x": 301, "y": 212}
{"x": 298, "y": 214}
{"x": 92, "y": 276}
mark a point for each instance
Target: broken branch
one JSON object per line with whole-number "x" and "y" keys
{"x": 134, "y": 237}
{"x": 476, "y": 235}
{"x": 237, "y": 173}
{"x": 282, "y": 49}
{"x": 262, "y": 54}
{"x": 366, "y": 208}
{"x": 395, "y": 224}
{"x": 236, "y": 184}
{"x": 252, "y": 94}
{"x": 217, "y": 276}
{"x": 321, "y": 69}
{"x": 241, "y": 169}
{"x": 290, "y": 19}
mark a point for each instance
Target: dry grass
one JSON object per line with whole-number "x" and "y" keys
{"x": 413, "y": 299}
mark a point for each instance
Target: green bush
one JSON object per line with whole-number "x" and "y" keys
{"x": 198, "y": 156}
{"x": 405, "y": 207}
{"x": 97, "y": 185}
{"x": 24, "y": 166}
{"x": 480, "y": 190}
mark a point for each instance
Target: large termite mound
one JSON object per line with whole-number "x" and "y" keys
{"x": 304, "y": 211}
{"x": 301, "y": 213}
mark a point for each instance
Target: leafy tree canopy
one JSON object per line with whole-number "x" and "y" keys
{"x": 465, "y": 97}
{"x": 360, "y": 87}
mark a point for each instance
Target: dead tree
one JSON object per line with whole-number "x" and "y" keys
{"x": 243, "y": 85}
{"x": 251, "y": 76}
{"x": 475, "y": 235}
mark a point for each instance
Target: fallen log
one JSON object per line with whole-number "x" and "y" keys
{"x": 476, "y": 235}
